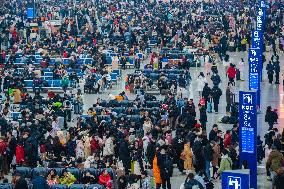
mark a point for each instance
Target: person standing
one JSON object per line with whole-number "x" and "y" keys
{"x": 3, "y": 148}
{"x": 201, "y": 80}
{"x": 229, "y": 99}
{"x": 208, "y": 156}
{"x": 187, "y": 156}
{"x": 156, "y": 171}
{"x": 216, "y": 94}
{"x": 226, "y": 162}
{"x": 124, "y": 154}
{"x": 166, "y": 168}
{"x": 270, "y": 72}
{"x": 270, "y": 117}
{"x": 276, "y": 70}
{"x": 242, "y": 68}
{"x": 231, "y": 74}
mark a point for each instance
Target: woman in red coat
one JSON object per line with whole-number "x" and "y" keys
{"x": 20, "y": 154}
{"x": 227, "y": 139}
{"x": 105, "y": 179}
{"x": 231, "y": 74}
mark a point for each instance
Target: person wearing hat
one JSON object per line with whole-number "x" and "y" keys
{"x": 19, "y": 182}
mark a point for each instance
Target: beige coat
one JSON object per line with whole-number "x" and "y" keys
{"x": 187, "y": 156}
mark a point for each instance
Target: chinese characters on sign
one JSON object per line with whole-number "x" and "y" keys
{"x": 255, "y": 67}
{"x": 248, "y": 132}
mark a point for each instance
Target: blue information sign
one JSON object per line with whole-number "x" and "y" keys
{"x": 248, "y": 132}
{"x": 257, "y": 39}
{"x": 30, "y": 13}
{"x": 255, "y": 67}
{"x": 235, "y": 179}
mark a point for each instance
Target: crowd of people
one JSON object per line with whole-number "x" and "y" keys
{"x": 50, "y": 139}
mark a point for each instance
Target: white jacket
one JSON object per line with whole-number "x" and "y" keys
{"x": 109, "y": 147}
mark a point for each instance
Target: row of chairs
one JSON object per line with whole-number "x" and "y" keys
{"x": 121, "y": 110}
{"x": 65, "y": 61}
{"x": 31, "y": 173}
{"x": 51, "y": 84}
{"x": 59, "y": 186}
{"x": 167, "y": 71}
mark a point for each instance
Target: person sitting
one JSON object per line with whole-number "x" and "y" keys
{"x": 88, "y": 178}
{"x": 52, "y": 177}
{"x": 105, "y": 179}
{"x": 67, "y": 178}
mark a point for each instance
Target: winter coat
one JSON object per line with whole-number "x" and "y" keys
{"x": 187, "y": 156}
{"x": 216, "y": 80}
{"x": 105, "y": 180}
{"x": 164, "y": 167}
{"x": 225, "y": 164}
{"x": 227, "y": 140}
{"x": 71, "y": 147}
{"x": 17, "y": 96}
{"x": 200, "y": 83}
{"x": 206, "y": 92}
{"x": 20, "y": 154}
{"x": 109, "y": 147}
{"x": 87, "y": 147}
{"x": 156, "y": 171}
{"x": 68, "y": 180}
{"x": 270, "y": 69}
{"x": 216, "y": 94}
{"x": 232, "y": 72}
{"x": 79, "y": 149}
{"x": 275, "y": 160}
{"x": 208, "y": 152}
{"x": 95, "y": 146}
{"x": 39, "y": 183}
{"x": 216, "y": 155}
{"x": 124, "y": 153}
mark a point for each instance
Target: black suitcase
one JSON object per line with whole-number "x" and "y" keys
{"x": 238, "y": 75}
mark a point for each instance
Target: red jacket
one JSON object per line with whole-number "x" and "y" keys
{"x": 231, "y": 72}
{"x": 227, "y": 140}
{"x": 95, "y": 146}
{"x": 20, "y": 154}
{"x": 105, "y": 180}
{"x": 3, "y": 146}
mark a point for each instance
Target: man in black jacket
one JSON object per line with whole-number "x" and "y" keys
{"x": 213, "y": 132}
{"x": 166, "y": 168}
{"x": 124, "y": 154}
{"x": 151, "y": 149}
{"x": 216, "y": 94}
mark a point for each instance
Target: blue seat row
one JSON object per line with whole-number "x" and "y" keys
{"x": 77, "y": 186}
{"x": 50, "y": 84}
{"x": 28, "y": 172}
